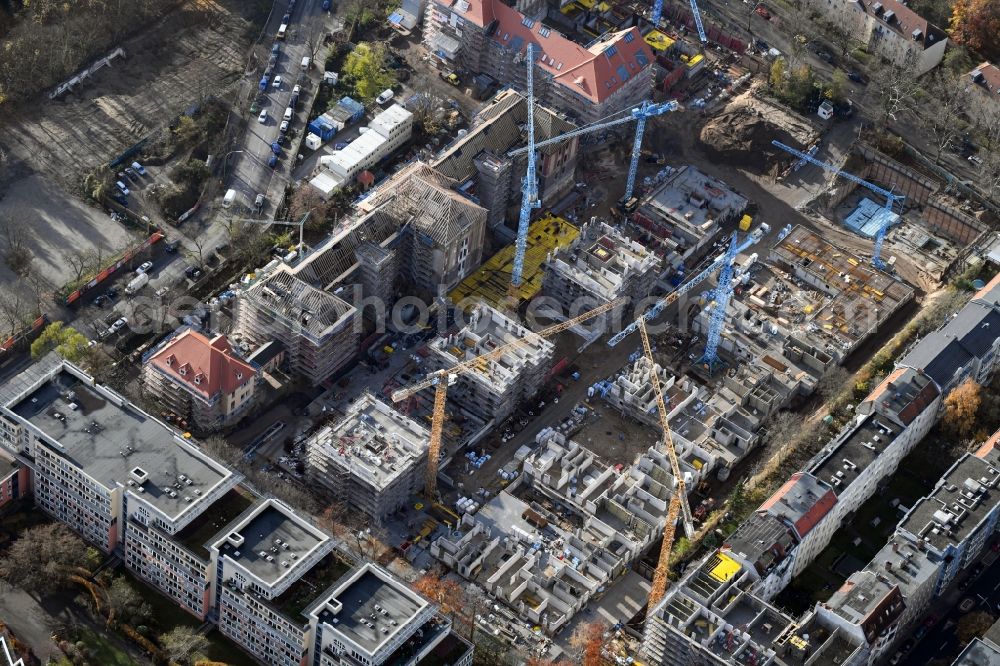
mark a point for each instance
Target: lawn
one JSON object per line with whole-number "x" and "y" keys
{"x": 102, "y": 650}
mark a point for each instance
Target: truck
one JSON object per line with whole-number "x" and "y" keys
{"x": 282, "y": 29}
{"x": 137, "y": 283}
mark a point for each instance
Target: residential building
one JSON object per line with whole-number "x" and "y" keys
{"x": 887, "y": 425}
{"x": 387, "y": 132}
{"x": 600, "y": 266}
{"x": 317, "y": 328}
{"x": 100, "y": 463}
{"x": 965, "y": 346}
{"x": 479, "y": 162}
{"x": 370, "y": 618}
{"x": 258, "y": 561}
{"x": 712, "y": 616}
{"x": 493, "y": 390}
{"x": 200, "y": 379}
{"x": 889, "y": 29}
{"x": 984, "y": 92}
{"x": 373, "y": 460}
{"x": 587, "y": 83}
{"x": 15, "y": 480}
{"x": 681, "y": 217}
{"x": 446, "y": 228}
{"x": 955, "y": 522}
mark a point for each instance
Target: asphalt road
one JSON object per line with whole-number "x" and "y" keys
{"x": 248, "y": 172}
{"x": 940, "y": 642}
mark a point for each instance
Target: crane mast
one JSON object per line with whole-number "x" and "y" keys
{"x": 890, "y": 198}
{"x": 441, "y": 379}
{"x": 529, "y": 189}
{"x": 723, "y": 292}
{"x": 678, "y": 501}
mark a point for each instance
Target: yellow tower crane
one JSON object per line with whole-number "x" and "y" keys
{"x": 678, "y": 501}
{"x": 442, "y": 379}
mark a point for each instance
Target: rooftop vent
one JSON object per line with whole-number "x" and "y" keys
{"x": 236, "y": 554}
{"x": 139, "y": 475}
{"x": 977, "y": 76}
{"x": 890, "y": 16}
{"x": 235, "y": 539}
{"x": 917, "y": 35}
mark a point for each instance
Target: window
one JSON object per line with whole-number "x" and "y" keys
{"x": 543, "y": 31}
{"x": 641, "y": 59}
{"x": 629, "y": 37}
{"x": 527, "y": 22}
{"x": 622, "y": 73}
{"x": 610, "y": 51}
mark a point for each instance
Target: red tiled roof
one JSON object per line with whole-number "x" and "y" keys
{"x": 204, "y": 366}
{"x": 595, "y": 73}
{"x": 809, "y": 518}
{"x": 990, "y": 77}
{"x": 988, "y": 445}
{"x": 905, "y": 21}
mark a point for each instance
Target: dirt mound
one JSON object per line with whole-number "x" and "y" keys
{"x": 742, "y": 134}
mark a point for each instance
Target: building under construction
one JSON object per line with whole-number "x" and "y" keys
{"x": 478, "y": 160}
{"x": 601, "y": 265}
{"x": 850, "y": 299}
{"x": 443, "y": 229}
{"x": 493, "y": 390}
{"x": 372, "y": 460}
{"x": 316, "y": 327}
{"x": 681, "y": 217}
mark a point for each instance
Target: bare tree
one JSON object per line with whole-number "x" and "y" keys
{"x": 15, "y": 310}
{"x": 17, "y": 254}
{"x": 990, "y": 173}
{"x": 940, "y": 115}
{"x": 199, "y": 243}
{"x": 895, "y": 88}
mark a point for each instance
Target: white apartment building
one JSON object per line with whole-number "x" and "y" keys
{"x": 101, "y": 463}
{"x": 370, "y": 618}
{"x": 257, "y": 560}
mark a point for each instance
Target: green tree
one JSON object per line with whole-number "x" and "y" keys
{"x": 126, "y": 602}
{"x": 192, "y": 172}
{"x": 186, "y": 131}
{"x": 365, "y": 66}
{"x": 65, "y": 340}
{"x": 778, "y": 73}
{"x": 838, "y": 83}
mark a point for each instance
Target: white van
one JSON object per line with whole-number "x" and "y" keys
{"x": 288, "y": 114}
{"x": 282, "y": 29}
{"x": 306, "y": 61}
{"x": 228, "y": 200}
{"x": 385, "y": 97}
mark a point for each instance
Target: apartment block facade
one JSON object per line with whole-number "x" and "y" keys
{"x": 586, "y": 83}
{"x": 889, "y": 29}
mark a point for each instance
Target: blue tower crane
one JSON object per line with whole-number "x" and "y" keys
{"x": 640, "y": 114}
{"x": 723, "y": 292}
{"x": 890, "y": 198}
{"x": 652, "y": 313}
{"x": 529, "y": 189}
{"x": 658, "y": 14}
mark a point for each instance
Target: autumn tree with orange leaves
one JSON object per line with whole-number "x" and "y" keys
{"x": 976, "y": 24}
{"x": 459, "y": 602}
{"x": 961, "y": 408}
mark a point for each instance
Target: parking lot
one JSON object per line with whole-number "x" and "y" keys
{"x": 250, "y": 170}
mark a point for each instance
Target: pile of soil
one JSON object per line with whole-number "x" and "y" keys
{"x": 742, "y": 134}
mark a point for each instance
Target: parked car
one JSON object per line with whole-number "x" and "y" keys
{"x": 296, "y": 89}
{"x": 283, "y": 127}
{"x": 139, "y": 169}
{"x": 762, "y": 11}
{"x": 262, "y": 118}
{"x": 340, "y": 146}
{"x": 100, "y": 301}
{"x": 276, "y": 47}
{"x": 118, "y": 325}
{"x": 122, "y": 188}
{"x": 171, "y": 247}
{"x": 856, "y": 77}
{"x": 276, "y": 84}
{"x": 258, "y": 203}
{"x": 111, "y": 293}
{"x": 144, "y": 267}
{"x": 385, "y": 96}
{"x": 193, "y": 272}
{"x": 451, "y": 77}
{"x": 824, "y": 56}
{"x": 272, "y": 161}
